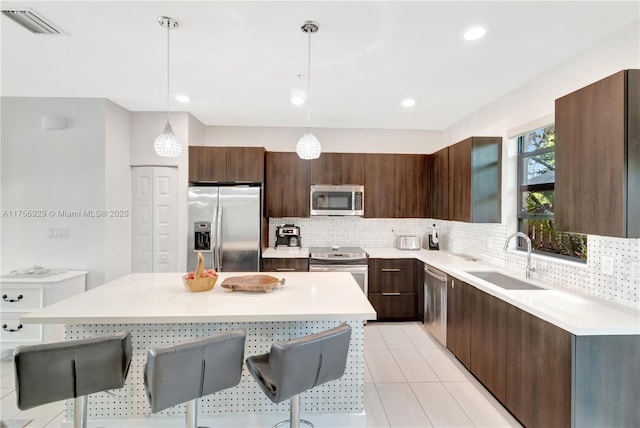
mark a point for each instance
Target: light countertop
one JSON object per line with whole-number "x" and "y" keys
{"x": 162, "y": 298}
{"x": 286, "y": 253}
{"x": 568, "y": 309}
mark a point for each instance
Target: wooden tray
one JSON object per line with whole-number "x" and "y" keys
{"x": 264, "y": 283}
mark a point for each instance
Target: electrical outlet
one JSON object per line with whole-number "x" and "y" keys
{"x": 58, "y": 233}
{"x": 606, "y": 266}
{"x": 636, "y": 271}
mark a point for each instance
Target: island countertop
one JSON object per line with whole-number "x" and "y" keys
{"x": 162, "y": 298}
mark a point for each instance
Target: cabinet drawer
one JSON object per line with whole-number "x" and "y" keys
{"x": 15, "y": 331}
{"x": 402, "y": 264}
{"x": 21, "y": 299}
{"x": 394, "y": 305}
{"x": 285, "y": 265}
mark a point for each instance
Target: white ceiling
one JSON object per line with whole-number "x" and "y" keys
{"x": 239, "y": 61}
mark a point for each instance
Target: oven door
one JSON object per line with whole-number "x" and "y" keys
{"x": 359, "y": 272}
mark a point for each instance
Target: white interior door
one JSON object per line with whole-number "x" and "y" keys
{"x": 154, "y": 219}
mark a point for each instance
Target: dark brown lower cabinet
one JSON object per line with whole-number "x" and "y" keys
{"x": 459, "y": 320}
{"x": 489, "y": 341}
{"x": 545, "y": 376}
{"x": 285, "y": 265}
{"x": 393, "y": 305}
{"x": 538, "y": 371}
{"x": 392, "y": 288}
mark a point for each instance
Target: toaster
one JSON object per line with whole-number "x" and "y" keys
{"x": 407, "y": 242}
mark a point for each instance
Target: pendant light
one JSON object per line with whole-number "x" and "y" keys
{"x": 308, "y": 146}
{"x": 167, "y": 144}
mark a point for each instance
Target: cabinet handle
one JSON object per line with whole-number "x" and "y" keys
{"x": 285, "y": 269}
{"x": 6, "y": 299}
{"x": 11, "y": 330}
{"x": 391, "y": 294}
{"x": 390, "y": 270}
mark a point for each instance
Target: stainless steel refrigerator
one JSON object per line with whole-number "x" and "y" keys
{"x": 224, "y": 224}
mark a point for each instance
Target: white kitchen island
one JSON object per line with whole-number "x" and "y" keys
{"x": 158, "y": 310}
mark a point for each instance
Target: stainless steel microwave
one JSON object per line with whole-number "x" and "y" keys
{"x": 343, "y": 199}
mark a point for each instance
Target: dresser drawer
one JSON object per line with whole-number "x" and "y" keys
{"x": 24, "y": 299}
{"x": 15, "y": 331}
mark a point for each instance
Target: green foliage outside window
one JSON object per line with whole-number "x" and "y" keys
{"x": 536, "y": 177}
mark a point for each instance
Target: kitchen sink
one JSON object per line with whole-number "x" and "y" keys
{"x": 504, "y": 281}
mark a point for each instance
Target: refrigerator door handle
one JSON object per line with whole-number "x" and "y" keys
{"x": 214, "y": 241}
{"x": 219, "y": 238}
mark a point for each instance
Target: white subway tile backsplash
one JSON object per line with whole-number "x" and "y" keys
{"x": 485, "y": 241}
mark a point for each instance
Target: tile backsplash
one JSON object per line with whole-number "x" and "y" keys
{"x": 485, "y": 241}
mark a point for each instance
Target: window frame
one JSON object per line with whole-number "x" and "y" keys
{"x": 522, "y": 217}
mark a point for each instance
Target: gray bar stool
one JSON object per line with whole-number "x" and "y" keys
{"x": 300, "y": 364}
{"x": 57, "y": 371}
{"x": 181, "y": 373}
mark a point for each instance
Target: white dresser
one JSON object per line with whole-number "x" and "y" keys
{"x": 23, "y": 295}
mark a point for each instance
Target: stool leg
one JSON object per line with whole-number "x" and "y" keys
{"x": 192, "y": 413}
{"x": 80, "y": 412}
{"x": 294, "y": 411}
{"x": 294, "y": 420}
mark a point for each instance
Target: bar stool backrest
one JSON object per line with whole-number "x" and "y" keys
{"x": 51, "y": 372}
{"x": 192, "y": 369}
{"x": 303, "y": 363}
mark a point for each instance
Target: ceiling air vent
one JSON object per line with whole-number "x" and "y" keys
{"x": 31, "y": 21}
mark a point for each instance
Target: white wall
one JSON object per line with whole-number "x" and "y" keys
{"x": 332, "y": 140}
{"x": 117, "y": 192}
{"x": 51, "y": 170}
{"x": 145, "y": 127}
{"x": 197, "y": 132}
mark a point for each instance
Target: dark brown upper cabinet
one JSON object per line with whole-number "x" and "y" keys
{"x": 412, "y": 186}
{"x": 475, "y": 171}
{"x": 287, "y": 185}
{"x": 396, "y": 186}
{"x": 597, "y": 187}
{"x": 226, "y": 164}
{"x": 379, "y": 185}
{"x": 338, "y": 168}
{"x": 440, "y": 184}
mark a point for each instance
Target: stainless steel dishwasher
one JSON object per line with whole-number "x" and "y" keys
{"x": 435, "y": 303}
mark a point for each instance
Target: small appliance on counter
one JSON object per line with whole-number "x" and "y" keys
{"x": 434, "y": 241}
{"x": 288, "y": 236}
{"x": 406, "y": 242}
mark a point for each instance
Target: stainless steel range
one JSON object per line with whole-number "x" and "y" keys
{"x": 341, "y": 259}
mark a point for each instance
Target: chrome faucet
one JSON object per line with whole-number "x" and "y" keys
{"x": 526, "y": 238}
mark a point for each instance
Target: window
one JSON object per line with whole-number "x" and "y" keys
{"x": 536, "y": 179}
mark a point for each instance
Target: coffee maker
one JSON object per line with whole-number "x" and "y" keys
{"x": 288, "y": 235}
{"x": 434, "y": 241}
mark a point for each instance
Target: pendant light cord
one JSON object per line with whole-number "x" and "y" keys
{"x": 309, "y": 78}
{"x": 168, "y": 62}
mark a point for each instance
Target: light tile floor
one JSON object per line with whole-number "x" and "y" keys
{"x": 410, "y": 381}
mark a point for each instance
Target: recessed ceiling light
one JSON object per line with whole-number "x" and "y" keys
{"x": 183, "y": 98}
{"x": 298, "y": 97}
{"x": 408, "y": 102}
{"x": 475, "y": 32}
{"x": 296, "y": 100}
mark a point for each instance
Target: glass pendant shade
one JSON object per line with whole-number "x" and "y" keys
{"x": 167, "y": 144}
{"x": 308, "y": 146}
